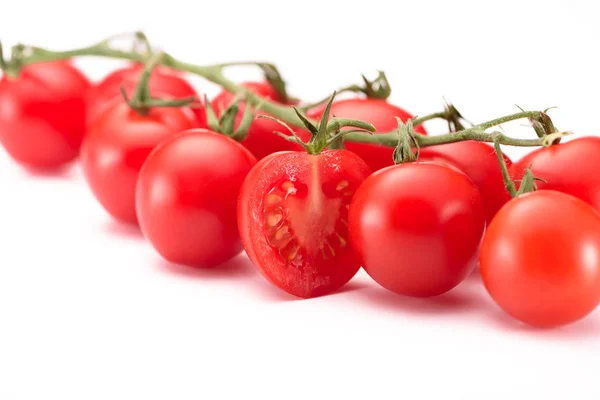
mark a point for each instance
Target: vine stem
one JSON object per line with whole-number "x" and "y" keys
{"x": 214, "y": 73}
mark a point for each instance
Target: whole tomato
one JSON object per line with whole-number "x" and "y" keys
{"x": 117, "y": 145}
{"x": 187, "y": 195}
{"x": 479, "y": 162}
{"x": 293, "y": 217}
{"x": 540, "y": 258}
{"x": 42, "y": 114}
{"x": 417, "y": 227}
{"x": 164, "y": 83}
{"x": 261, "y": 141}
{"x": 378, "y": 112}
{"x": 571, "y": 167}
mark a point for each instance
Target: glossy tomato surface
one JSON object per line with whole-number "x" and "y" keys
{"x": 164, "y": 83}
{"x": 117, "y": 145}
{"x": 378, "y": 112}
{"x": 42, "y": 114}
{"x": 293, "y": 216}
{"x": 187, "y": 197}
{"x": 479, "y": 162}
{"x": 417, "y": 227}
{"x": 540, "y": 258}
{"x": 261, "y": 140}
{"x": 570, "y": 167}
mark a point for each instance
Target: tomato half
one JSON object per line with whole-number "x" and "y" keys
{"x": 261, "y": 140}
{"x": 417, "y": 227}
{"x": 293, "y": 215}
{"x": 378, "y": 112}
{"x": 164, "y": 83}
{"x": 571, "y": 167}
{"x": 117, "y": 145}
{"x": 187, "y": 195}
{"x": 42, "y": 114}
{"x": 540, "y": 258}
{"x": 479, "y": 162}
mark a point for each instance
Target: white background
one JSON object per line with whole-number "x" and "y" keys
{"x": 89, "y": 311}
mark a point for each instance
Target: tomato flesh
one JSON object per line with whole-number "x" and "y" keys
{"x": 540, "y": 258}
{"x": 293, "y": 219}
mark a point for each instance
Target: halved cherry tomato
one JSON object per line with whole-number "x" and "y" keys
{"x": 417, "y": 227}
{"x": 164, "y": 83}
{"x": 261, "y": 140}
{"x": 117, "y": 145}
{"x": 378, "y": 112}
{"x": 571, "y": 167}
{"x": 42, "y": 114}
{"x": 479, "y": 162}
{"x": 293, "y": 216}
{"x": 540, "y": 258}
{"x": 187, "y": 195}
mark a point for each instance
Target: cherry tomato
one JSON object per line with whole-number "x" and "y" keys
{"x": 540, "y": 258}
{"x": 187, "y": 195}
{"x": 117, "y": 145}
{"x": 479, "y": 162}
{"x": 417, "y": 227}
{"x": 378, "y": 112}
{"x": 42, "y": 114}
{"x": 293, "y": 215}
{"x": 164, "y": 83}
{"x": 261, "y": 140}
{"x": 571, "y": 167}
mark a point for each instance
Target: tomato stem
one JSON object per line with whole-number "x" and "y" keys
{"x": 214, "y": 73}
{"x": 508, "y": 183}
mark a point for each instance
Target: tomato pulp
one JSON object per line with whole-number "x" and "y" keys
{"x": 261, "y": 140}
{"x": 479, "y": 162}
{"x": 187, "y": 195}
{"x": 571, "y": 167}
{"x": 164, "y": 83}
{"x": 540, "y": 258}
{"x": 293, "y": 216}
{"x": 417, "y": 227}
{"x": 42, "y": 114}
{"x": 117, "y": 145}
{"x": 378, "y": 112}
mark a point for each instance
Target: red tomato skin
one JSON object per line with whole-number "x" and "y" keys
{"x": 187, "y": 195}
{"x": 164, "y": 83}
{"x": 570, "y": 167}
{"x": 261, "y": 140}
{"x": 117, "y": 145}
{"x": 378, "y": 112}
{"x": 479, "y": 162}
{"x": 540, "y": 258}
{"x": 310, "y": 173}
{"x": 42, "y": 114}
{"x": 417, "y": 227}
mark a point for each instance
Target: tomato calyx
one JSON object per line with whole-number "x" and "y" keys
{"x": 142, "y": 101}
{"x": 327, "y": 133}
{"x": 225, "y": 122}
{"x": 403, "y": 153}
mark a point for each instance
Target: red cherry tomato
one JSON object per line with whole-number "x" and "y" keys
{"x": 540, "y": 258}
{"x": 479, "y": 162}
{"x": 117, "y": 145}
{"x": 164, "y": 83}
{"x": 417, "y": 227}
{"x": 261, "y": 140}
{"x": 571, "y": 167}
{"x": 293, "y": 215}
{"x": 378, "y": 112}
{"x": 42, "y": 114}
{"x": 187, "y": 195}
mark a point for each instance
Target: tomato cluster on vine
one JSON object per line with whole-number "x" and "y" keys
{"x": 312, "y": 203}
